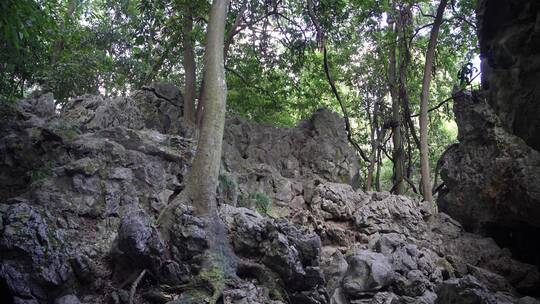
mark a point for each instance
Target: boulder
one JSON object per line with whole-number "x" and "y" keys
{"x": 368, "y": 272}
{"x": 34, "y": 253}
{"x": 466, "y": 290}
{"x": 492, "y": 176}
{"x": 67, "y": 299}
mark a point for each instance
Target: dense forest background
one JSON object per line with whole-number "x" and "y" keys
{"x": 283, "y": 59}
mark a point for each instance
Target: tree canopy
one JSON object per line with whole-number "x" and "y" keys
{"x": 281, "y": 58}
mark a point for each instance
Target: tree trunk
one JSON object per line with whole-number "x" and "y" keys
{"x": 205, "y": 169}
{"x": 405, "y": 23}
{"x": 203, "y": 178}
{"x": 59, "y": 45}
{"x": 375, "y": 142}
{"x": 219, "y": 261}
{"x": 424, "y": 97}
{"x": 378, "y": 170}
{"x": 399, "y": 185}
{"x": 199, "y": 111}
{"x": 190, "y": 79}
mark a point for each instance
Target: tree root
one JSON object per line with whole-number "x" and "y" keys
{"x": 265, "y": 277}
{"x": 134, "y": 286}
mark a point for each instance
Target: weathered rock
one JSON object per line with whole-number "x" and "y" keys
{"x": 466, "y": 290}
{"x": 492, "y": 175}
{"x": 290, "y": 252}
{"x": 248, "y": 293}
{"x": 528, "y": 300}
{"x": 40, "y": 106}
{"x": 138, "y": 245}
{"x": 333, "y": 201}
{"x": 368, "y": 272}
{"x": 67, "y": 299}
{"x": 392, "y": 213}
{"x": 33, "y": 254}
{"x": 509, "y": 39}
{"x": 379, "y": 298}
{"x": 97, "y": 180}
{"x": 278, "y": 161}
{"x": 334, "y": 269}
{"x": 158, "y": 107}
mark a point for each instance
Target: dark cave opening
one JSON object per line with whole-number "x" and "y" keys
{"x": 522, "y": 241}
{"x": 5, "y": 295}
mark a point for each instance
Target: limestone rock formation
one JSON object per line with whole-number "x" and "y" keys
{"x": 509, "y": 34}
{"x": 492, "y": 176}
{"x": 285, "y": 163}
{"x": 79, "y": 200}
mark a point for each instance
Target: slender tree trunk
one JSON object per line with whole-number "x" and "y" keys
{"x": 190, "y": 79}
{"x": 203, "y": 178}
{"x": 405, "y": 22}
{"x": 372, "y": 161}
{"x": 399, "y": 185}
{"x": 219, "y": 260}
{"x": 59, "y": 45}
{"x": 424, "y": 98}
{"x": 229, "y": 40}
{"x": 375, "y": 139}
{"x": 205, "y": 170}
{"x": 378, "y": 170}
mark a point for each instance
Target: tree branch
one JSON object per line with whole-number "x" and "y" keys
{"x": 320, "y": 37}
{"x": 440, "y": 104}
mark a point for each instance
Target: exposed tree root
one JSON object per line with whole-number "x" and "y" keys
{"x": 134, "y": 286}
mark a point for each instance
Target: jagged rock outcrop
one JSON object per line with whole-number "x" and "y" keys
{"x": 492, "y": 176}
{"x": 79, "y": 201}
{"x": 509, "y": 35}
{"x": 81, "y": 189}
{"x": 285, "y": 163}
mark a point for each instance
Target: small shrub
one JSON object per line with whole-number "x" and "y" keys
{"x": 228, "y": 188}
{"x": 227, "y": 183}
{"x": 68, "y": 130}
{"x": 262, "y": 202}
{"x": 40, "y": 173}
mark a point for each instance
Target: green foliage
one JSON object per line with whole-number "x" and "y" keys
{"x": 227, "y": 182}
{"x": 257, "y": 200}
{"x": 27, "y": 28}
{"x": 40, "y": 173}
{"x": 274, "y": 66}
{"x": 68, "y": 131}
{"x": 228, "y": 188}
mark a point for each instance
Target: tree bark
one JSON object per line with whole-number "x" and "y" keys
{"x": 190, "y": 79}
{"x": 219, "y": 261}
{"x": 375, "y": 137}
{"x": 59, "y": 45}
{"x": 205, "y": 170}
{"x": 229, "y": 40}
{"x": 203, "y": 178}
{"x": 378, "y": 170}
{"x": 405, "y": 22}
{"x": 399, "y": 185}
{"x": 424, "y": 98}
{"x": 372, "y": 157}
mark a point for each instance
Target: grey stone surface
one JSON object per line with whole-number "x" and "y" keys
{"x": 492, "y": 176}
{"x": 368, "y": 272}
{"x": 80, "y": 197}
